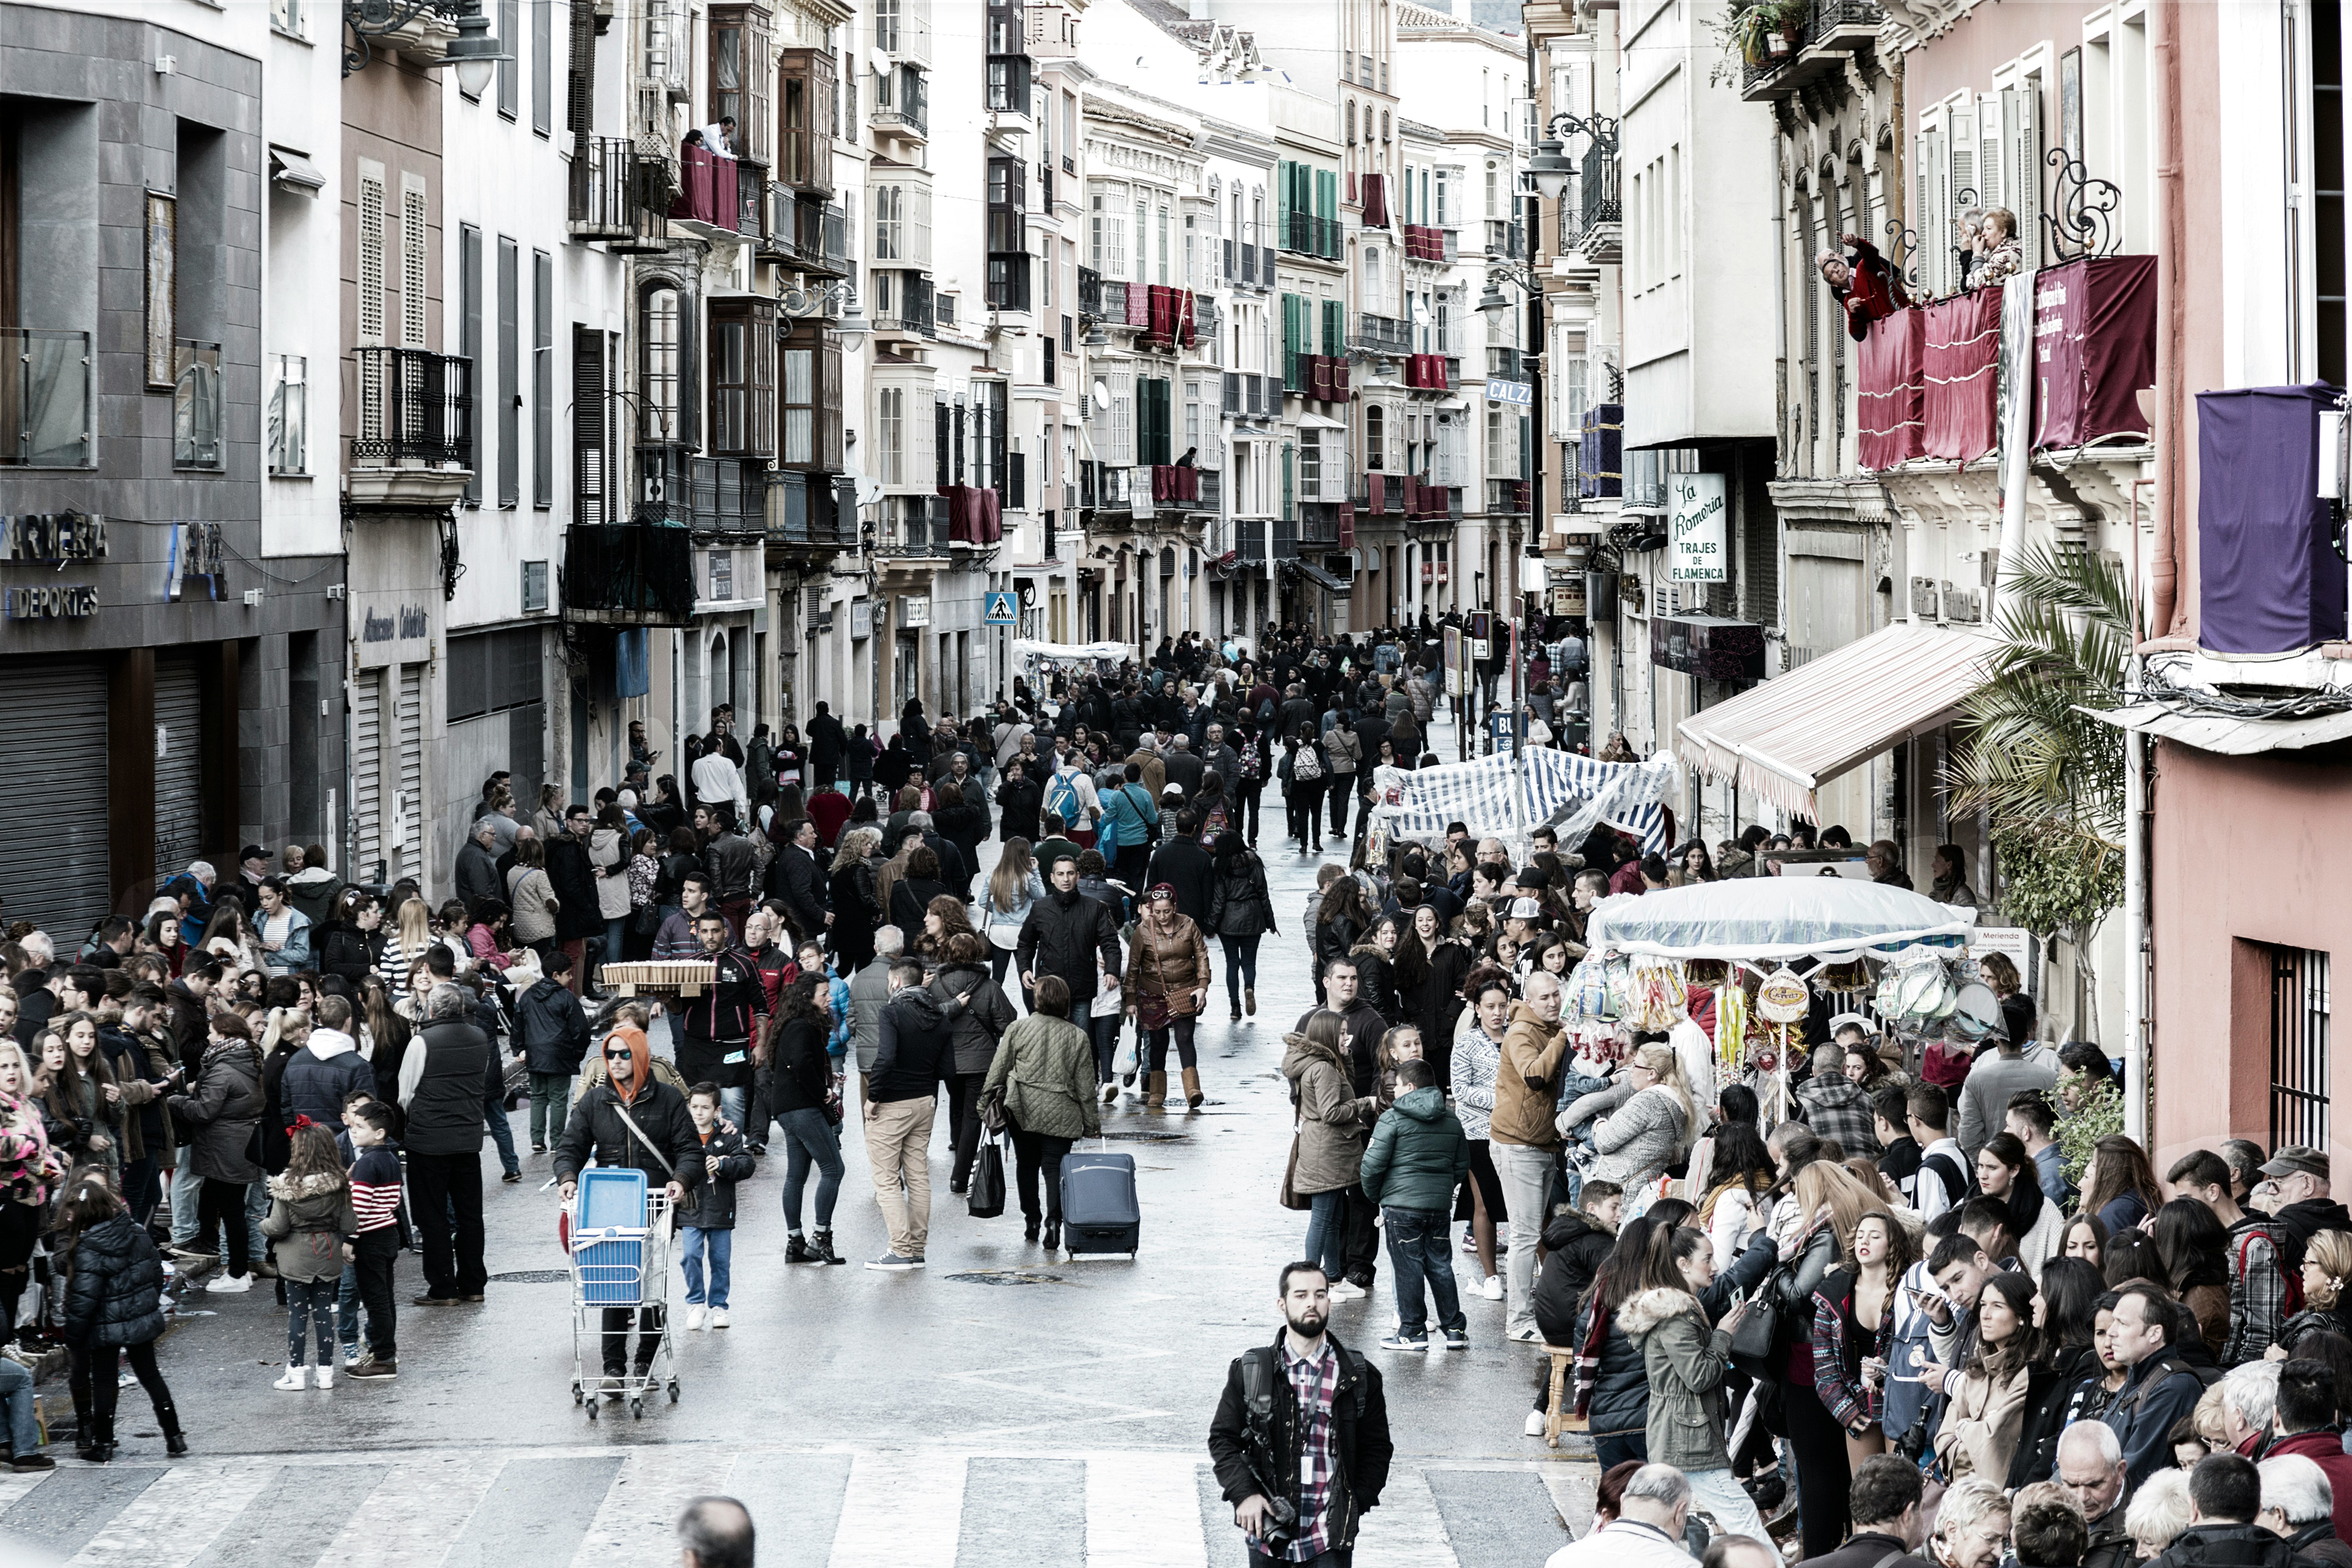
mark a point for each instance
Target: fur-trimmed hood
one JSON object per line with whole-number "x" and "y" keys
{"x": 1652, "y": 1308}
{"x": 318, "y": 1184}
{"x": 1298, "y": 1050}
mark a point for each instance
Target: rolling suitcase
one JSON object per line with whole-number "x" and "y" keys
{"x": 1099, "y": 1211}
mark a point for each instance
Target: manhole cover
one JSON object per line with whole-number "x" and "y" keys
{"x": 533, "y": 1276}
{"x": 1008, "y": 1276}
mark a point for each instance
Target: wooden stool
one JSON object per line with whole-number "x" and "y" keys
{"x": 1557, "y": 1415}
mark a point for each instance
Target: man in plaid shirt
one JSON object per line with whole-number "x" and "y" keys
{"x": 1303, "y": 1425}
{"x": 2258, "y": 1279}
{"x": 1836, "y": 1106}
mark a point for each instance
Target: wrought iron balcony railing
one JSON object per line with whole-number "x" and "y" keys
{"x": 415, "y": 409}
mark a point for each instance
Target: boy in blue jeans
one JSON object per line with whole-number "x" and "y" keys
{"x": 708, "y": 1216}
{"x": 1418, "y": 1156}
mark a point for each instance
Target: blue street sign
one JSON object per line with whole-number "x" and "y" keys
{"x": 1003, "y": 609}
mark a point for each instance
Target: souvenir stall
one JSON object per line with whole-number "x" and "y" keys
{"x": 1757, "y": 965}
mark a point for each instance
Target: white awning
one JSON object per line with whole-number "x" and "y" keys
{"x": 295, "y": 171}
{"x": 1786, "y": 737}
{"x": 1311, "y": 420}
{"x": 2221, "y": 734}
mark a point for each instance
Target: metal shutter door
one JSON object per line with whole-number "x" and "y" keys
{"x": 411, "y": 836}
{"x": 58, "y": 874}
{"x": 367, "y": 774}
{"x": 179, "y": 762}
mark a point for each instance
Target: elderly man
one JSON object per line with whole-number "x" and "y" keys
{"x": 2091, "y": 1470}
{"x": 1647, "y": 1532}
{"x": 2299, "y": 1503}
{"x": 715, "y": 1532}
{"x": 870, "y": 991}
{"x": 447, "y": 1070}
{"x": 2295, "y": 1192}
{"x": 1183, "y": 767}
{"x": 478, "y": 865}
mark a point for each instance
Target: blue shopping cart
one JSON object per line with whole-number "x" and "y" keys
{"x": 620, "y": 1258}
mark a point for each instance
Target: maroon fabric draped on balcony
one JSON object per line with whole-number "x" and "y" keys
{"x": 1888, "y": 401}
{"x": 693, "y": 195}
{"x": 726, "y": 194}
{"x": 1347, "y": 530}
{"x": 976, "y": 516}
{"x": 1960, "y": 348}
{"x": 1426, "y": 372}
{"x": 1376, "y": 201}
{"x": 1321, "y": 375}
{"x": 1175, "y": 482}
{"x": 1376, "y": 493}
{"x": 2095, "y": 337}
{"x": 1339, "y": 381}
{"x": 1187, "y": 319}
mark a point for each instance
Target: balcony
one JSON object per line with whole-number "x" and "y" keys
{"x": 1425, "y": 242}
{"x": 1090, "y": 292}
{"x": 1249, "y": 396}
{"x": 1168, "y": 313}
{"x": 1507, "y": 237}
{"x": 1508, "y": 498}
{"x": 1106, "y": 487}
{"x": 617, "y": 200}
{"x": 1248, "y": 262}
{"x": 414, "y": 441}
{"x": 195, "y": 405}
{"x": 44, "y": 398}
{"x": 1381, "y": 334}
{"x": 1321, "y": 525}
{"x": 806, "y": 233}
{"x": 1008, "y": 282}
{"x": 907, "y": 307}
{"x": 1307, "y": 235}
{"x": 1600, "y": 231}
{"x": 1506, "y": 365}
{"x": 811, "y": 510}
{"x": 1175, "y": 485}
{"x": 1429, "y": 373}
{"x": 628, "y": 574}
{"x": 902, "y": 106}
{"x": 1008, "y": 85}
{"x": 727, "y": 495}
{"x": 752, "y": 201}
{"x": 1323, "y": 377}
{"x": 667, "y": 62}
{"x": 1249, "y": 539}
{"x": 710, "y": 201}
{"x": 1812, "y": 50}
{"x": 913, "y": 525}
{"x": 1379, "y": 493}
{"x": 1285, "y": 539}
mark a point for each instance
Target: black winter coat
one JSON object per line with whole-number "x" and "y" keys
{"x": 347, "y": 950}
{"x": 974, "y": 1028}
{"x": 1249, "y": 1459}
{"x": 1240, "y": 904}
{"x": 1574, "y": 1248}
{"x": 596, "y": 1130}
{"x": 315, "y": 1086}
{"x": 114, "y": 1289}
{"x": 1018, "y": 803}
{"x": 551, "y": 1032}
{"x": 1063, "y": 935}
{"x": 711, "y": 1206}
{"x": 1183, "y": 865}
{"x": 802, "y": 1080}
{"x": 2049, "y": 1395}
{"x": 222, "y": 1108}
{"x": 574, "y": 877}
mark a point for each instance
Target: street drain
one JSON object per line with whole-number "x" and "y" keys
{"x": 1147, "y": 1137}
{"x": 533, "y": 1276}
{"x": 1008, "y": 1276}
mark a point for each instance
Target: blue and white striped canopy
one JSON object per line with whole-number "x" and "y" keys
{"x": 1578, "y": 790}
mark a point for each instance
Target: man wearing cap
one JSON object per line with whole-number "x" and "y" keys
{"x": 254, "y": 861}
{"x": 1185, "y": 866}
{"x": 2295, "y": 1189}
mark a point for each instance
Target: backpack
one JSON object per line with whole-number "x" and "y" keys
{"x": 1307, "y": 766}
{"x": 1265, "y": 711}
{"x": 1062, "y": 800}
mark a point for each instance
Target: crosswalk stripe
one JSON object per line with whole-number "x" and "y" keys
{"x": 1143, "y": 1511}
{"x": 170, "y": 1524}
{"x": 639, "y": 1511}
{"x": 1406, "y": 1531}
{"x": 14, "y": 1484}
{"x": 421, "y": 1500}
{"x": 900, "y": 1510}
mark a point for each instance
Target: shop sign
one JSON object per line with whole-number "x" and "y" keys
{"x": 914, "y": 610}
{"x": 1521, "y": 393}
{"x": 1697, "y": 552}
{"x": 412, "y": 622}
{"x": 53, "y": 537}
{"x": 861, "y": 617}
{"x": 1567, "y": 596}
{"x": 61, "y": 602}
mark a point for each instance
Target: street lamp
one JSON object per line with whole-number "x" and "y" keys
{"x": 473, "y": 52}
{"x": 798, "y": 304}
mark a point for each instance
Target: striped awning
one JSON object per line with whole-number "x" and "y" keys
{"x": 1786, "y": 737}
{"x": 1494, "y": 794}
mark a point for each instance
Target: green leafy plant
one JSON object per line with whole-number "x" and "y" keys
{"x": 2078, "y": 1132}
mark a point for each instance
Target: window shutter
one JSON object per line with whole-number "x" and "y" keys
{"x": 829, "y": 408}
{"x": 2026, "y": 199}
{"x": 469, "y": 328}
{"x": 1992, "y": 128}
{"x": 1930, "y": 222}
{"x": 579, "y": 76}
{"x": 542, "y": 377}
{"x": 412, "y": 252}
{"x": 543, "y": 65}
{"x": 372, "y": 258}
{"x": 589, "y": 470}
{"x": 1282, "y": 201}
{"x": 918, "y": 226}
{"x": 1289, "y": 501}
{"x": 509, "y": 369}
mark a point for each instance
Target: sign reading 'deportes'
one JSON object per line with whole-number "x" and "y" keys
{"x": 58, "y": 602}
{"x": 1696, "y": 547}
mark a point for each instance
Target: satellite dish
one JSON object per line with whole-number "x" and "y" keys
{"x": 1102, "y": 397}
{"x": 879, "y": 62}
{"x": 869, "y": 489}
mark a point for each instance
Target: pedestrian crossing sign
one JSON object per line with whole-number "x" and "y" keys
{"x": 1003, "y": 610}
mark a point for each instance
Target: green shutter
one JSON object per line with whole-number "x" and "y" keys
{"x": 1289, "y": 512}
{"x": 1293, "y": 332}
{"x": 1335, "y": 328}
{"x": 1327, "y": 208}
{"x": 1282, "y": 204}
{"x": 1527, "y": 450}
{"x": 1153, "y": 405}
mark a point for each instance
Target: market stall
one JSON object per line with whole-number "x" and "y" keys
{"x": 1507, "y": 797}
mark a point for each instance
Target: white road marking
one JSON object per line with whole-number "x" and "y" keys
{"x": 1406, "y": 1530}
{"x": 901, "y": 1511}
{"x": 170, "y": 1524}
{"x": 637, "y": 1520}
{"x": 1143, "y": 1511}
{"x": 422, "y": 1500}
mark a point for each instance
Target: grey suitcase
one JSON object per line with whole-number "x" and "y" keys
{"x": 1099, "y": 1209}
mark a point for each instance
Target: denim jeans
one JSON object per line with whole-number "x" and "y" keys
{"x": 735, "y": 1106}
{"x": 346, "y": 1311}
{"x": 16, "y": 1404}
{"x": 718, "y": 1247}
{"x": 1105, "y": 1031}
{"x": 1241, "y": 966}
{"x": 494, "y": 1111}
{"x": 308, "y": 1302}
{"x": 185, "y": 1184}
{"x": 616, "y": 937}
{"x": 1418, "y": 1247}
{"x": 810, "y": 1138}
{"x": 1719, "y": 1495}
{"x": 1327, "y": 1233}
{"x": 1526, "y": 1171}
{"x": 551, "y": 1106}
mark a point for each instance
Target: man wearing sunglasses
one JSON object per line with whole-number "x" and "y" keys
{"x": 662, "y": 1142}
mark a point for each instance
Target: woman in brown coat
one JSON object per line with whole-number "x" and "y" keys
{"x": 1166, "y": 982}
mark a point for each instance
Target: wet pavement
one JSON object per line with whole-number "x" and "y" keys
{"x": 999, "y": 1405}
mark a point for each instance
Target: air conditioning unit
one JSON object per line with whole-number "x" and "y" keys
{"x": 1926, "y": 602}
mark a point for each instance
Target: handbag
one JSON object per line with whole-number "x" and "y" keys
{"x": 645, "y": 921}
{"x": 1290, "y": 1195}
{"x": 988, "y": 1180}
{"x": 1754, "y": 1341}
{"x": 1152, "y": 1012}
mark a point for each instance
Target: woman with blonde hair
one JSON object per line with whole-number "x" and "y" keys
{"x": 411, "y": 933}
{"x": 2161, "y": 1509}
{"x": 1646, "y": 1125}
{"x": 857, "y": 905}
{"x": 2326, "y": 1270}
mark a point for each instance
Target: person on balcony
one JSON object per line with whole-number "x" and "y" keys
{"x": 720, "y": 139}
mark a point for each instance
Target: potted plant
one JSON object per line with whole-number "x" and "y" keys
{"x": 1790, "y": 15}
{"x": 1749, "y": 29}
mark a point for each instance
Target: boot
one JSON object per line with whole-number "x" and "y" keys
{"x": 1053, "y": 1234}
{"x": 820, "y": 1248}
{"x": 97, "y": 1445}
{"x": 797, "y": 1250}
{"x": 1155, "y": 1091}
{"x": 1193, "y": 1098}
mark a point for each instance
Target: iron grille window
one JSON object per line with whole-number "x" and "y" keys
{"x": 2299, "y": 1040}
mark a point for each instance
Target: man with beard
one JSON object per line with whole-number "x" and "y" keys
{"x": 2294, "y": 1190}
{"x": 1300, "y": 1440}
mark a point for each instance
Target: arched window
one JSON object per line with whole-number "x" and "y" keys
{"x": 1351, "y": 122}
{"x": 1384, "y": 124}
{"x": 661, "y": 358}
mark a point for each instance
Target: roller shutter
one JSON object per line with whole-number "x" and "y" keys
{"x": 58, "y": 872}
{"x": 411, "y": 806}
{"x": 367, "y": 774}
{"x": 179, "y": 761}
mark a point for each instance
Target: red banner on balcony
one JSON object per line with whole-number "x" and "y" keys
{"x": 1376, "y": 201}
{"x": 1376, "y": 493}
{"x": 1347, "y": 527}
{"x": 2095, "y": 347}
{"x": 1160, "y": 308}
{"x": 1339, "y": 381}
{"x": 693, "y": 199}
{"x": 976, "y": 516}
{"x": 1320, "y": 376}
{"x": 1961, "y": 346}
{"x": 1187, "y": 319}
{"x": 726, "y": 200}
{"x": 1887, "y": 403}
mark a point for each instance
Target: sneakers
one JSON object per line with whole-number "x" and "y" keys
{"x": 539, "y": 1148}
{"x": 1527, "y": 1335}
{"x": 353, "y": 1356}
{"x": 511, "y": 1176}
{"x": 1469, "y": 1241}
{"x": 229, "y": 1285}
{"x": 25, "y": 1463}
{"x": 1535, "y": 1426}
{"x": 372, "y": 1368}
{"x": 1492, "y": 1289}
{"x": 326, "y": 1376}
{"x": 1347, "y": 1290}
{"x": 718, "y": 1317}
{"x": 1405, "y": 1342}
{"x": 1457, "y": 1340}
{"x": 694, "y": 1316}
{"x": 891, "y": 1263}
{"x": 296, "y": 1377}
{"x": 1249, "y": 1000}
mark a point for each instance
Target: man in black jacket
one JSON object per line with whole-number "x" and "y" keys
{"x": 1300, "y": 1489}
{"x": 734, "y": 867}
{"x": 574, "y": 877}
{"x": 721, "y": 1022}
{"x": 1887, "y": 1526}
{"x": 2225, "y": 1496}
{"x": 449, "y": 1069}
{"x": 795, "y": 877}
{"x": 477, "y": 865}
{"x": 828, "y": 745}
{"x": 902, "y": 1098}
{"x": 551, "y": 1034}
{"x": 1183, "y": 865}
{"x": 1063, "y": 933}
{"x": 662, "y": 1143}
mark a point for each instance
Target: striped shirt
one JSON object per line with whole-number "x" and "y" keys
{"x": 375, "y": 1189}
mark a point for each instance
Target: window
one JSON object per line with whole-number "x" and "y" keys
{"x": 1375, "y": 422}
{"x": 1142, "y": 240}
{"x": 743, "y": 358}
{"x": 290, "y": 16}
{"x": 509, "y": 45}
{"x": 1192, "y": 413}
{"x": 469, "y": 323}
{"x": 660, "y": 359}
{"x": 739, "y": 76}
{"x": 413, "y": 281}
{"x": 543, "y": 379}
{"x": 810, "y": 399}
{"x": 543, "y": 65}
{"x": 1163, "y": 243}
{"x": 804, "y": 160}
{"x": 2300, "y": 1035}
{"x": 890, "y": 416}
{"x": 1310, "y": 463}
{"x": 888, "y": 225}
{"x": 902, "y": 223}
{"x": 510, "y": 373}
{"x": 886, "y": 26}
{"x": 1151, "y": 405}
{"x": 534, "y": 587}
{"x": 593, "y": 429}
{"x": 289, "y": 414}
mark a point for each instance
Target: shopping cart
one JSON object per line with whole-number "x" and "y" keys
{"x": 620, "y": 1246}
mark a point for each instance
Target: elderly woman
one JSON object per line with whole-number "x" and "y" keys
{"x": 2159, "y": 1511}
{"x": 1045, "y": 1070}
{"x": 1167, "y": 983}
